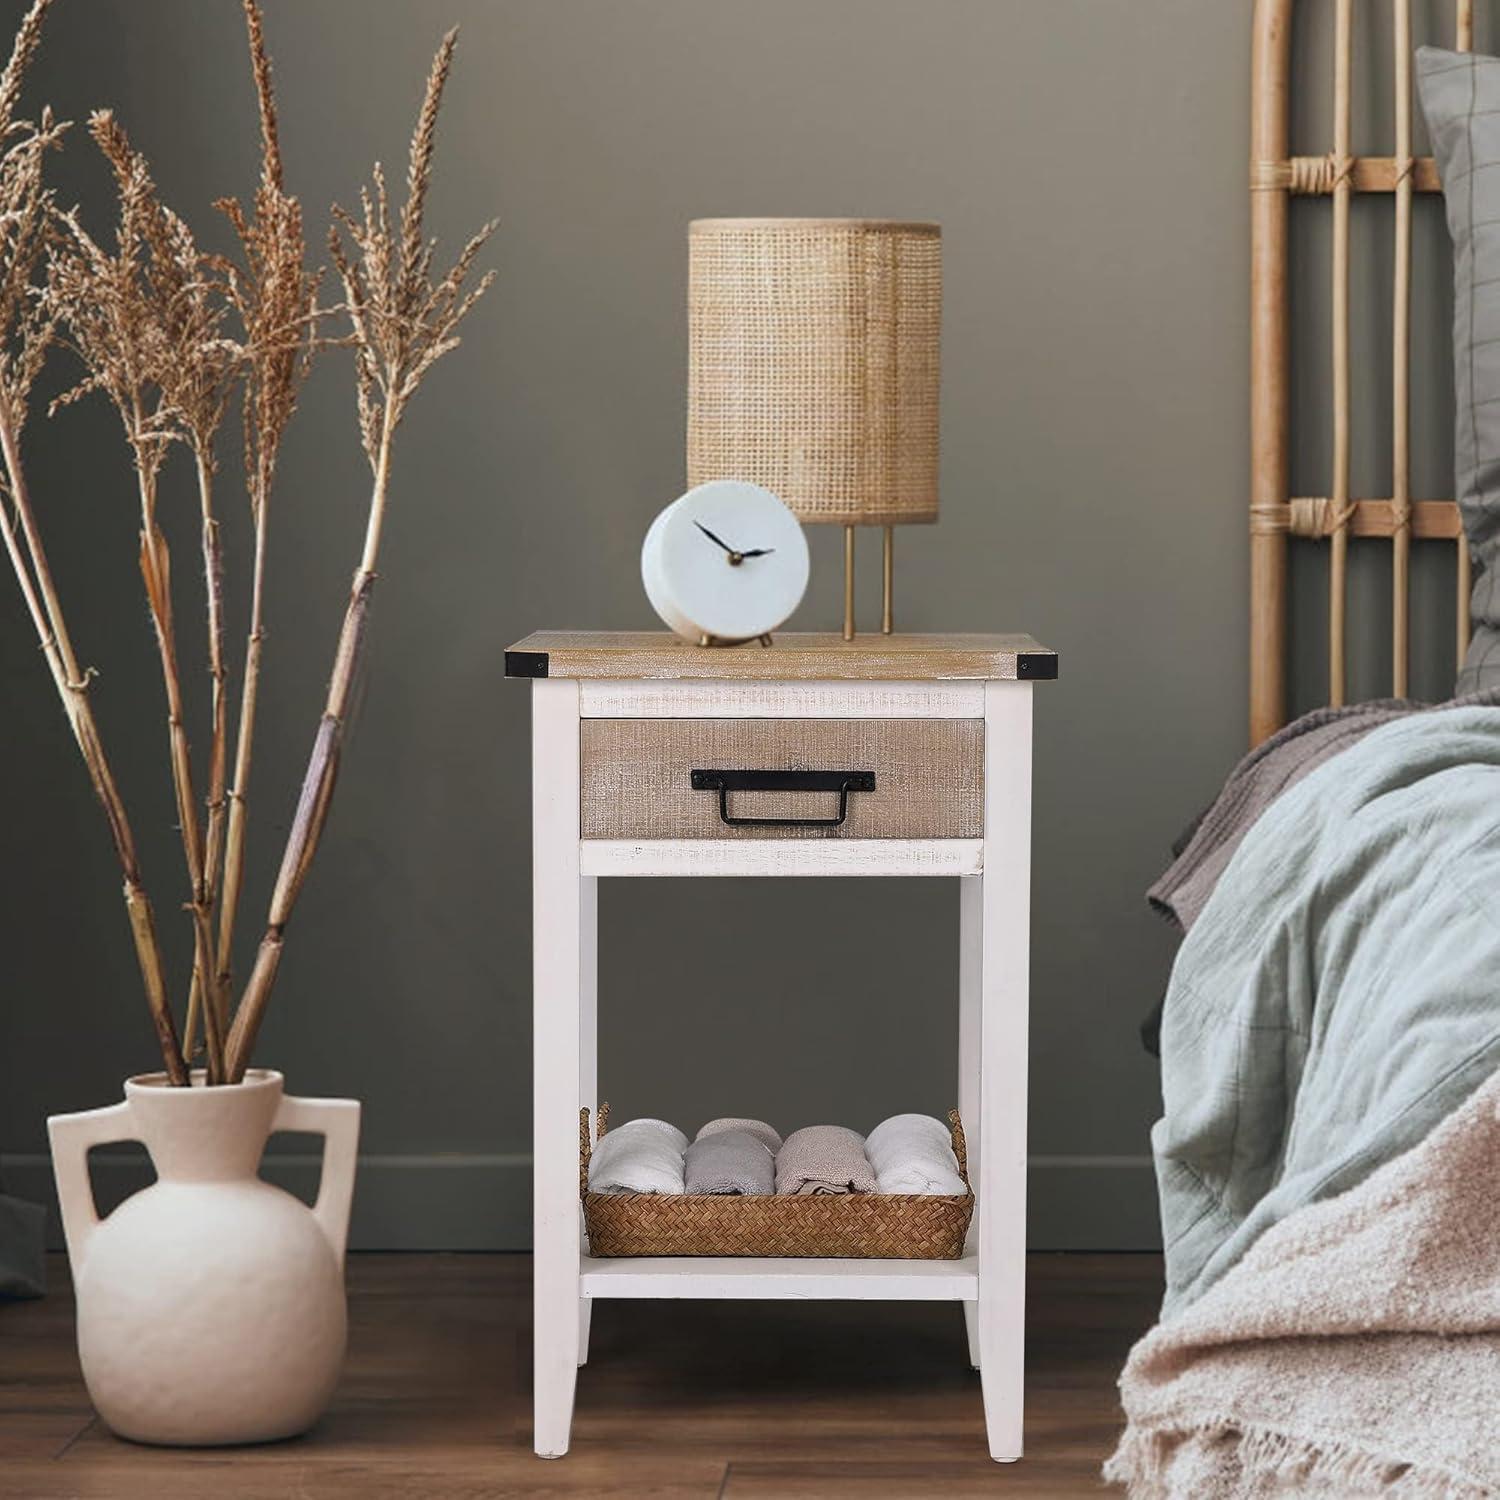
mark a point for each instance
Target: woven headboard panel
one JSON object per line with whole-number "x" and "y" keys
{"x": 1276, "y": 516}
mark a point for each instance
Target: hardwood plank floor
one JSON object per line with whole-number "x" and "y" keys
{"x": 679, "y": 1401}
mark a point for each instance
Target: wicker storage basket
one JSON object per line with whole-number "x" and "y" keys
{"x": 856, "y": 1225}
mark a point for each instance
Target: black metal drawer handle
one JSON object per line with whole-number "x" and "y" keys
{"x": 842, "y": 782}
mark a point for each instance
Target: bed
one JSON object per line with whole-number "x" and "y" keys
{"x": 1330, "y": 1037}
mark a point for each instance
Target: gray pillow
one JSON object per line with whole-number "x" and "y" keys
{"x": 1460, "y": 94}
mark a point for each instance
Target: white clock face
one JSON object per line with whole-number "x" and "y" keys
{"x": 727, "y": 560}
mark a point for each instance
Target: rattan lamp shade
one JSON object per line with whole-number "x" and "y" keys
{"x": 813, "y": 363}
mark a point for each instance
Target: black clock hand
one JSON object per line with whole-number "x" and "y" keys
{"x": 718, "y": 541}
{"x": 758, "y": 552}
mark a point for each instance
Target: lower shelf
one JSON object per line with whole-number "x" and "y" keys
{"x": 781, "y": 856}
{"x": 740, "y": 1277}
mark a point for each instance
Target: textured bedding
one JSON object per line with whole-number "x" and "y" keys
{"x": 1339, "y": 994}
{"x": 1353, "y": 1354}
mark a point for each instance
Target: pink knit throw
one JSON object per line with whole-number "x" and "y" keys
{"x": 1354, "y": 1351}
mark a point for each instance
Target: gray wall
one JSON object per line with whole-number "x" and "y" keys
{"x": 1086, "y": 159}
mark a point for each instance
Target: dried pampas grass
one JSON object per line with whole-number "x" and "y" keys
{"x": 401, "y": 323}
{"x": 170, "y": 335}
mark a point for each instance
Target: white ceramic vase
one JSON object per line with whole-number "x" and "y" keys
{"x": 211, "y": 1304}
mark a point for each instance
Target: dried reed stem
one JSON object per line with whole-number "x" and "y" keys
{"x": 72, "y": 687}
{"x": 401, "y": 322}
{"x": 26, "y": 332}
{"x": 274, "y": 296}
{"x": 145, "y": 321}
{"x": 156, "y": 572}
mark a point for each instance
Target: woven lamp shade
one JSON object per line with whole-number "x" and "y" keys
{"x": 813, "y": 363}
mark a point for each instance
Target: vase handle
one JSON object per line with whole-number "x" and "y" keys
{"x": 71, "y": 1138}
{"x": 337, "y": 1121}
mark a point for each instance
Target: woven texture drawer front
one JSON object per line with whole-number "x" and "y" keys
{"x": 636, "y": 777}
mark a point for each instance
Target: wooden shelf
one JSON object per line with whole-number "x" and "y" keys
{"x": 792, "y": 1278}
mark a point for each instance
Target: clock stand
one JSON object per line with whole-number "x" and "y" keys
{"x": 717, "y": 641}
{"x": 941, "y": 727}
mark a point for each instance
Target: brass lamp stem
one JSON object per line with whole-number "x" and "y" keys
{"x": 887, "y": 619}
{"x": 848, "y": 583}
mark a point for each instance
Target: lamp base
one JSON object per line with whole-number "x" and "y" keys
{"x": 888, "y": 575}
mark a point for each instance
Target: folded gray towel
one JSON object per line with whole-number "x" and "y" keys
{"x": 730, "y": 1161}
{"x": 824, "y": 1159}
{"x": 758, "y": 1128}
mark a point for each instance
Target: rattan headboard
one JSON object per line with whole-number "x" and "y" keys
{"x": 1275, "y": 514}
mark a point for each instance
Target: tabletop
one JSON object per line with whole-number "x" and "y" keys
{"x": 791, "y": 657}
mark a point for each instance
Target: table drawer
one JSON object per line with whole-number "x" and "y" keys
{"x": 637, "y": 781}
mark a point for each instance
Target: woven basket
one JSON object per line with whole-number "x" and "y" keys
{"x": 813, "y": 363}
{"x": 898, "y": 1226}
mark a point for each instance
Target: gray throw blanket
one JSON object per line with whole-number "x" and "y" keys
{"x": 1337, "y": 995}
{"x": 730, "y": 1161}
{"x": 1263, "y": 775}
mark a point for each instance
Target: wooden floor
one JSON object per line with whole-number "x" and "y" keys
{"x": 680, "y": 1401}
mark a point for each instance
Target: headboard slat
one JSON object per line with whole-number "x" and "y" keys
{"x": 1465, "y": 580}
{"x": 1269, "y": 445}
{"x": 1275, "y": 516}
{"x": 1401, "y": 364}
{"x": 1338, "y": 561}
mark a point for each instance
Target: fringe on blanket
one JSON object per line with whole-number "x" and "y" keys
{"x": 1225, "y": 1459}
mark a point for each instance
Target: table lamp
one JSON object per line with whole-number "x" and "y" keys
{"x": 813, "y": 367}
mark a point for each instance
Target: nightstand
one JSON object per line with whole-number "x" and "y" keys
{"x": 885, "y": 755}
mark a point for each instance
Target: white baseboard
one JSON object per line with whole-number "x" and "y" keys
{"x": 483, "y": 1202}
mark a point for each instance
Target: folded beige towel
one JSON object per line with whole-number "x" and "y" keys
{"x": 758, "y": 1128}
{"x": 824, "y": 1159}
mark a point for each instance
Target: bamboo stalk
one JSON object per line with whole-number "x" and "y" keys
{"x": 321, "y": 775}
{"x": 45, "y": 608}
{"x": 1401, "y": 365}
{"x": 1338, "y": 560}
{"x": 1465, "y": 41}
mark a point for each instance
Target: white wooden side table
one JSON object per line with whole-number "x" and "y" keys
{"x": 923, "y": 743}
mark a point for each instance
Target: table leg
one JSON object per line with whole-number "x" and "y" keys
{"x": 1005, "y": 909}
{"x": 559, "y": 948}
{"x": 588, "y": 1048}
{"x": 970, "y": 990}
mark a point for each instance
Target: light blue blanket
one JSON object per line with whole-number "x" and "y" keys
{"x": 1340, "y": 993}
